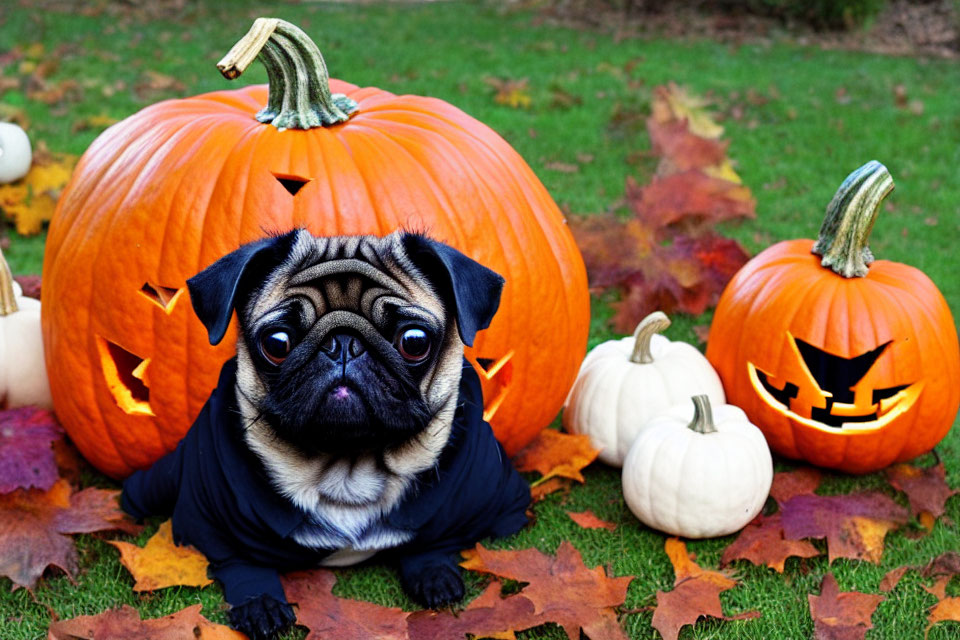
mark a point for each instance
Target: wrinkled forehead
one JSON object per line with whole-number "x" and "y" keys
{"x": 366, "y": 275}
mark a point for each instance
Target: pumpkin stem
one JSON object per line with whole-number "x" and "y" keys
{"x": 702, "y": 415}
{"x": 8, "y": 298}
{"x": 299, "y": 85}
{"x": 654, "y": 323}
{"x": 850, "y": 217}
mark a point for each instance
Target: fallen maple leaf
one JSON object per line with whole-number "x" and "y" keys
{"x": 553, "y": 453}
{"x": 674, "y": 103}
{"x": 161, "y": 563}
{"x": 854, "y": 525}
{"x": 125, "y": 624}
{"x": 545, "y": 488}
{"x": 841, "y": 616}
{"x": 562, "y": 588}
{"x": 34, "y": 526}
{"x": 946, "y": 609}
{"x": 892, "y": 579}
{"x": 762, "y": 542}
{"x": 787, "y": 484}
{"x": 511, "y": 93}
{"x": 327, "y": 616}
{"x": 488, "y": 616}
{"x": 696, "y": 593}
{"x": 588, "y": 520}
{"x": 926, "y": 490}
{"x": 27, "y": 458}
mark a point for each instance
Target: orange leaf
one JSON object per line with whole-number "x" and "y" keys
{"x": 762, "y": 543}
{"x": 841, "y": 615}
{"x": 543, "y": 489}
{"x": 34, "y": 526}
{"x": 125, "y": 624}
{"x": 946, "y": 609}
{"x": 696, "y": 593}
{"x": 588, "y": 520}
{"x": 554, "y": 453}
{"x": 328, "y": 616}
{"x": 161, "y": 563}
{"x": 561, "y": 588}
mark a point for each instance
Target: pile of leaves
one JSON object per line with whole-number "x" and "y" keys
{"x": 667, "y": 255}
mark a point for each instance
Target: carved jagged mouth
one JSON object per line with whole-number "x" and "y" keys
{"x": 838, "y": 407}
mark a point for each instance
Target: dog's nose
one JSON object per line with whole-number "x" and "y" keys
{"x": 342, "y": 347}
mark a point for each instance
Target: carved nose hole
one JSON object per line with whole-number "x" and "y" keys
{"x": 163, "y": 297}
{"x": 291, "y": 183}
{"x": 126, "y": 376}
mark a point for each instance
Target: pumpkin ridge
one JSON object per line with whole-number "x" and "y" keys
{"x": 342, "y": 134}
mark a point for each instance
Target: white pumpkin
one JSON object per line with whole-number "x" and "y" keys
{"x": 15, "y": 152}
{"x": 698, "y": 471}
{"x": 23, "y": 374}
{"x": 622, "y": 383}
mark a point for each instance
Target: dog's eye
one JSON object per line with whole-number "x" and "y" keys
{"x": 413, "y": 344}
{"x": 276, "y": 346}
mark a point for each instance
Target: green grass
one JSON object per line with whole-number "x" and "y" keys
{"x": 793, "y": 147}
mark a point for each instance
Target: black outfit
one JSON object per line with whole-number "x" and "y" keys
{"x": 223, "y": 503}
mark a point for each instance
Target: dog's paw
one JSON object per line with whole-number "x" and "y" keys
{"x": 436, "y": 585}
{"x": 262, "y": 617}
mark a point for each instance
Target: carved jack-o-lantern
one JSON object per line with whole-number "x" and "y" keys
{"x": 172, "y": 188}
{"x": 841, "y": 364}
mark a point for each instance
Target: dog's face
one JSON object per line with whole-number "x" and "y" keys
{"x": 350, "y": 348}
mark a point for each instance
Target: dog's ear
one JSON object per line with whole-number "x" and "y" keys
{"x": 472, "y": 289}
{"x": 216, "y": 290}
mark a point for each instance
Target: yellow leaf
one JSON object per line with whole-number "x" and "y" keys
{"x": 723, "y": 171}
{"x": 161, "y": 563}
{"x": 676, "y": 103}
{"x": 31, "y": 201}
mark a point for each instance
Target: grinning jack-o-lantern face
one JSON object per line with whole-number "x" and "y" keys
{"x": 833, "y": 392}
{"x": 841, "y": 360}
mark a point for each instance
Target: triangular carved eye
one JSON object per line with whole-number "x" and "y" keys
{"x": 164, "y": 297}
{"x": 292, "y": 184}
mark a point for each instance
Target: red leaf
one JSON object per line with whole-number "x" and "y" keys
{"x": 34, "y": 526}
{"x": 561, "y": 588}
{"x": 487, "y": 616}
{"x": 787, "y": 484}
{"x": 841, "y": 616}
{"x": 125, "y": 624}
{"x": 328, "y": 616}
{"x": 691, "y": 197}
{"x": 762, "y": 542}
{"x": 26, "y": 457}
{"x": 926, "y": 489}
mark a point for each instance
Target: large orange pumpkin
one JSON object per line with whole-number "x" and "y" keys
{"x": 841, "y": 364}
{"x": 167, "y": 191}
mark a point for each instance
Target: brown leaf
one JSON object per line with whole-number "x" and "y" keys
{"x": 588, "y": 520}
{"x": 854, "y": 525}
{"x": 561, "y": 588}
{"x": 34, "y": 525}
{"x": 892, "y": 579}
{"x": 489, "y": 616}
{"x": 125, "y": 624}
{"x": 696, "y": 593}
{"x": 26, "y": 455}
{"x": 926, "y": 489}
{"x": 946, "y": 609}
{"x": 153, "y": 84}
{"x": 511, "y": 93}
{"x": 327, "y": 616}
{"x": 762, "y": 542}
{"x": 543, "y": 489}
{"x": 161, "y": 563}
{"x": 553, "y": 453}
{"x": 841, "y": 616}
{"x": 787, "y": 484}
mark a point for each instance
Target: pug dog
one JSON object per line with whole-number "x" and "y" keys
{"x": 348, "y": 424}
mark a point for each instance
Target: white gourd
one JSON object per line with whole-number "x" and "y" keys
{"x": 23, "y": 374}
{"x": 622, "y": 383}
{"x": 15, "y": 152}
{"x": 698, "y": 471}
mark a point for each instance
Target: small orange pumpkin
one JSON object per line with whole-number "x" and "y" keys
{"x": 166, "y": 192}
{"x": 841, "y": 360}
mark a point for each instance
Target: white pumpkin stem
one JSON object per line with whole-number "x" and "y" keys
{"x": 702, "y": 415}
{"x": 299, "y": 85}
{"x": 8, "y": 299}
{"x": 654, "y": 323}
{"x": 842, "y": 242}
